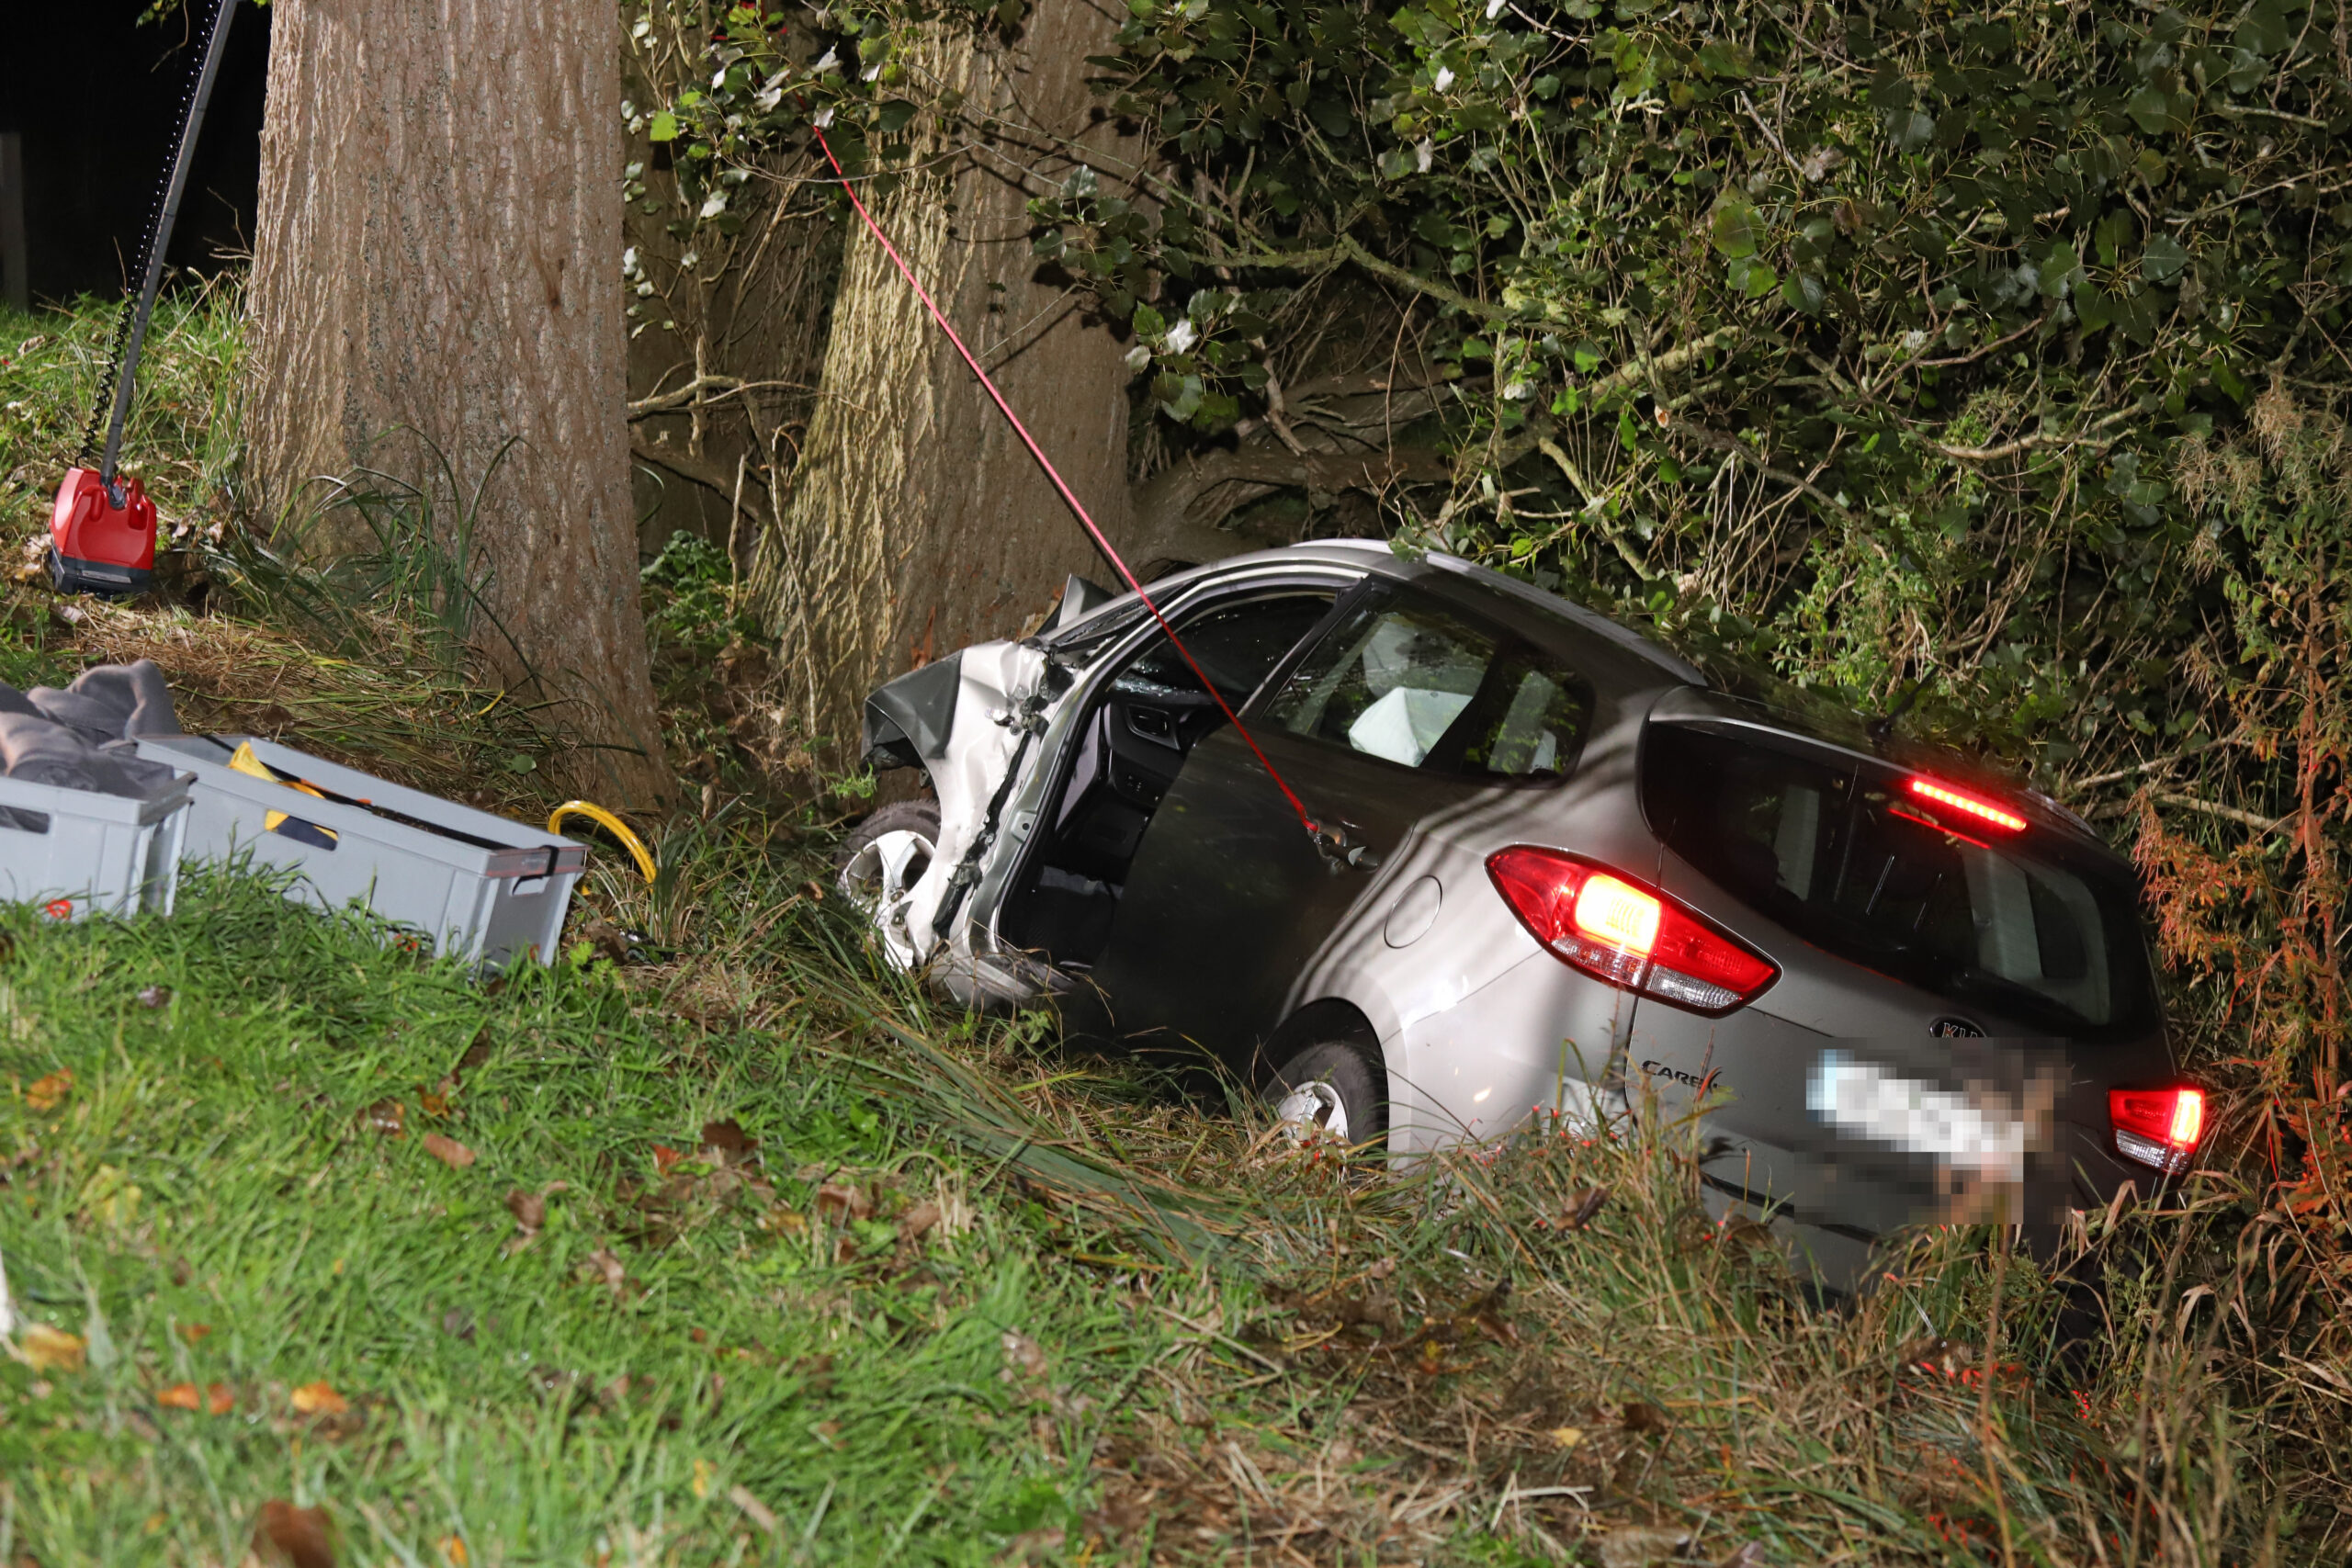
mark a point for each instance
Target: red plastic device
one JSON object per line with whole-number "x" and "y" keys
{"x": 101, "y": 542}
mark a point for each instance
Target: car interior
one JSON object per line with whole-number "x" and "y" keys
{"x": 1142, "y": 724}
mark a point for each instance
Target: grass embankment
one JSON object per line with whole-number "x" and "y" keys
{"x": 748, "y": 1253}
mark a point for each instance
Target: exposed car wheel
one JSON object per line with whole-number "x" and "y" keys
{"x": 1329, "y": 1090}
{"x": 881, "y": 861}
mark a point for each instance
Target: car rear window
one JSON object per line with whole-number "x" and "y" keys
{"x": 1840, "y": 851}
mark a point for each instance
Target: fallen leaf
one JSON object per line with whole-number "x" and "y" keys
{"x": 734, "y": 1145}
{"x": 839, "y": 1201}
{"x": 385, "y": 1116}
{"x": 318, "y": 1399}
{"x": 529, "y": 1209}
{"x": 665, "y": 1158}
{"x": 192, "y": 1332}
{"x": 918, "y": 1221}
{"x": 218, "y": 1401}
{"x": 180, "y": 1396}
{"x": 607, "y": 939}
{"x": 1581, "y": 1207}
{"x": 476, "y": 1054}
{"x": 449, "y": 1151}
{"x": 48, "y": 1350}
{"x": 1566, "y": 1437}
{"x": 431, "y": 1102}
{"x": 288, "y": 1537}
{"x": 1641, "y": 1416}
{"x": 704, "y": 1471}
{"x": 453, "y": 1552}
{"x": 1021, "y": 1354}
{"x": 1640, "y": 1546}
{"x": 110, "y": 1198}
{"x": 155, "y": 996}
{"x": 753, "y": 1509}
{"x": 44, "y": 1093}
{"x": 608, "y": 1268}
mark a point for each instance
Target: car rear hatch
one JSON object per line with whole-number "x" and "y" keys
{"x": 1963, "y": 977}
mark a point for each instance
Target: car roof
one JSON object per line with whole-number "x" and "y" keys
{"x": 1374, "y": 554}
{"x": 1756, "y": 697}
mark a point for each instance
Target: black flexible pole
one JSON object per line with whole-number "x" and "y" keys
{"x": 163, "y": 238}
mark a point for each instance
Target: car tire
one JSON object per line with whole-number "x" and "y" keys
{"x": 879, "y": 863}
{"x": 917, "y": 817}
{"x": 1332, "y": 1087}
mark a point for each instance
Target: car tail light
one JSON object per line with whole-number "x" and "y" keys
{"x": 2157, "y": 1126}
{"x": 1626, "y": 932}
{"x": 1967, "y": 805}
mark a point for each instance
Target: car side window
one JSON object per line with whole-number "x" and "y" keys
{"x": 1236, "y": 644}
{"x": 1414, "y": 682}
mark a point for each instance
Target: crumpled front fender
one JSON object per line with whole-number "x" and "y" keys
{"x": 998, "y": 698}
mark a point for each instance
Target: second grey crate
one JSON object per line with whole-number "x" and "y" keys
{"x": 470, "y": 884}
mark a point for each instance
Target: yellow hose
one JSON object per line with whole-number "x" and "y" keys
{"x": 606, "y": 820}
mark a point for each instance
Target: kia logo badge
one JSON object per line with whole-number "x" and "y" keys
{"x": 1955, "y": 1029}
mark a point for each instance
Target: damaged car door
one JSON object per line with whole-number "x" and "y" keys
{"x": 1405, "y": 709}
{"x": 1128, "y": 739}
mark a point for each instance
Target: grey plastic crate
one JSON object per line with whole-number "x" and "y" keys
{"x": 77, "y": 854}
{"x": 494, "y": 899}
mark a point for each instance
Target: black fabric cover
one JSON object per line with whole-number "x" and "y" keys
{"x": 82, "y": 737}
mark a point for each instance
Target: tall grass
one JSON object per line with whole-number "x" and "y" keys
{"x": 181, "y": 440}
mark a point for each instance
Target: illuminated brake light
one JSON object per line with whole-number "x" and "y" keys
{"x": 1623, "y": 917}
{"x": 1617, "y": 929}
{"x": 2157, "y": 1127}
{"x": 1983, "y": 810}
{"x": 2188, "y": 1119}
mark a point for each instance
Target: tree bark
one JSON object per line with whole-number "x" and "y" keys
{"x": 436, "y": 276}
{"x": 917, "y": 522}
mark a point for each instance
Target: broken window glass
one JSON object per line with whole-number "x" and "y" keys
{"x": 1410, "y": 681}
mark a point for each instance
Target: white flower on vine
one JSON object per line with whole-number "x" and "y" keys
{"x": 1181, "y": 336}
{"x": 714, "y": 204}
{"x": 1423, "y": 151}
{"x": 1444, "y": 77}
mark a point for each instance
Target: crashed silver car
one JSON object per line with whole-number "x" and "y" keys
{"x": 1555, "y": 869}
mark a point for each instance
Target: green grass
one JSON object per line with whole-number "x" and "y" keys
{"x": 1219, "y": 1346}
{"x": 212, "y": 1165}
{"x": 181, "y": 439}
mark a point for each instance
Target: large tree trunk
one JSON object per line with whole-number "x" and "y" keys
{"x": 917, "y": 522}
{"x": 436, "y": 275}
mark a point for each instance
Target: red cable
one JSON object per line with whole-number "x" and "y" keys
{"x": 1053, "y": 474}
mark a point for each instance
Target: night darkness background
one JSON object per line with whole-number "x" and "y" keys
{"x": 98, "y": 99}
